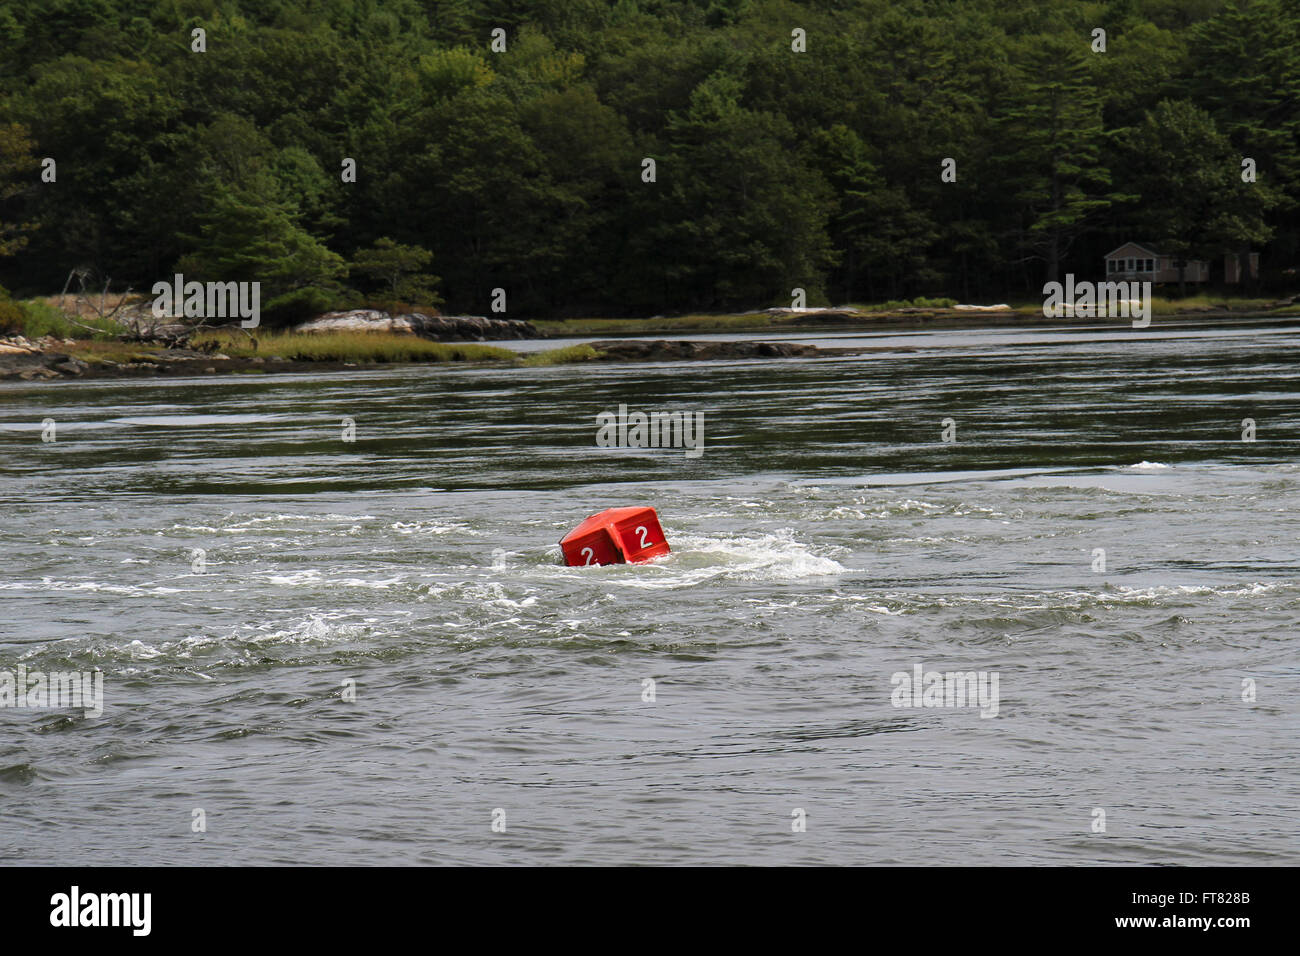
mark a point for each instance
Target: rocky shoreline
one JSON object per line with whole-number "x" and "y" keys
{"x": 45, "y": 366}
{"x": 51, "y": 359}
{"x": 54, "y": 364}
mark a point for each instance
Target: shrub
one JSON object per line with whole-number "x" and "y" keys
{"x": 298, "y": 306}
{"x": 40, "y": 319}
{"x": 12, "y": 319}
{"x": 357, "y": 347}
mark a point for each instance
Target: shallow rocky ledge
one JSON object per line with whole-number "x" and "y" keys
{"x": 35, "y": 365}
{"x": 640, "y": 350}
{"x": 39, "y": 366}
{"x": 439, "y": 328}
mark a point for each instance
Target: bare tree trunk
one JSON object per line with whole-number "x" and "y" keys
{"x": 1054, "y": 245}
{"x": 67, "y": 283}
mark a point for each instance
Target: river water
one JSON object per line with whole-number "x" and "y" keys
{"x": 239, "y": 573}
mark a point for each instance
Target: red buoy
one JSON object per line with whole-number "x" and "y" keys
{"x": 615, "y": 536}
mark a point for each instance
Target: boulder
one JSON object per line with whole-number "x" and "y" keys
{"x": 71, "y": 366}
{"x": 355, "y": 320}
{"x": 469, "y": 328}
{"x": 40, "y": 373}
{"x": 17, "y": 344}
{"x": 439, "y": 328}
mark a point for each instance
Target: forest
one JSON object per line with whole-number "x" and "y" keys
{"x": 640, "y": 157}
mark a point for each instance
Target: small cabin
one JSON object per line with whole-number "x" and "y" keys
{"x": 1140, "y": 262}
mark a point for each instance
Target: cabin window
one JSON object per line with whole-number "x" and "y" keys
{"x": 1111, "y": 265}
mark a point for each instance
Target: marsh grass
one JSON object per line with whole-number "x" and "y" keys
{"x": 358, "y": 347}
{"x": 1169, "y": 306}
{"x": 563, "y": 356}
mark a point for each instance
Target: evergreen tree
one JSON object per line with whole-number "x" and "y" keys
{"x": 1051, "y": 133}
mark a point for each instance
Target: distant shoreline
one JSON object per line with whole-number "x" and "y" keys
{"x": 911, "y": 320}
{"x": 77, "y": 361}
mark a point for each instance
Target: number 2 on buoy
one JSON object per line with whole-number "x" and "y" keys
{"x": 615, "y": 536}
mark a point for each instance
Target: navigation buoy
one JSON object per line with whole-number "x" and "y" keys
{"x": 615, "y": 536}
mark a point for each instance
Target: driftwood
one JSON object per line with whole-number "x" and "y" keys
{"x": 139, "y": 332}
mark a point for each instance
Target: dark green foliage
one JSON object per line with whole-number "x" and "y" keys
{"x": 398, "y": 271}
{"x": 12, "y": 317}
{"x": 298, "y": 305}
{"x": 522, "y": 170}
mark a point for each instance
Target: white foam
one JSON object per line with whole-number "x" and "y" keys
{"x": 697, "y": 558}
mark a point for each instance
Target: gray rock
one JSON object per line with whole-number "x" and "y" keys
{"x": 71, "y": 366}
{"x": 469, "y": 328}
{"x": 439, "y": 328}
{"x": 33, "y": 374}
{"x": 357, "y": 320}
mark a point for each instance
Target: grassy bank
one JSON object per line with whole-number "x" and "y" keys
{"x": 1196, "y": 303}
{"x": 366, "y": 348}
{"x": 676, "y": 323}
{"x": 358, "y": 347}
{"x": 879, "y": 313}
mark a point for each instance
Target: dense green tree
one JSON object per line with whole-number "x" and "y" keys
{"x": 1052, "y": 137}
{"x": 398, "y": 270}
{"x": 1193, "y": 201}
{"x": 742, "y": 220}
{"x": 1245, "y": 70}
{"x": 249, "y": 234}
{"x": 883, "y": 238}
{"x": 17, "y": 176}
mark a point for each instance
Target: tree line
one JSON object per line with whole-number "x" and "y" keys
{"x": 793, "y": 145}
